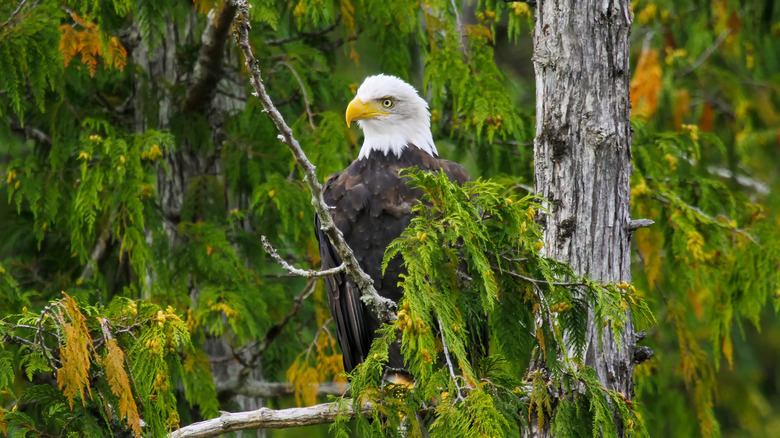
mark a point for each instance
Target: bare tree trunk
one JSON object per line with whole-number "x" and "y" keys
{"x": 582, "y": 155}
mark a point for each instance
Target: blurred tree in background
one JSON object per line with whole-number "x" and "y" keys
{"x": 140, "y": 173}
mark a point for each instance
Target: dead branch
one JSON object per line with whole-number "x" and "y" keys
{"x": 383, "y": 307}
{"x": 265, "y": 418}
{"x": 292, "y": 269}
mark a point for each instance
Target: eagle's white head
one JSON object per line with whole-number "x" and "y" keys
{"x": 392, "y": 116}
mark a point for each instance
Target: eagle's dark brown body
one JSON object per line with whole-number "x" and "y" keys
{"x": 371, "y": 205}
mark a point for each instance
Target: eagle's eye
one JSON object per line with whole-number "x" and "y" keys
{"x": 388, "y": 102}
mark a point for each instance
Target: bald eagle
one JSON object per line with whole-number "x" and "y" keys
{"x": 371, "y": 204}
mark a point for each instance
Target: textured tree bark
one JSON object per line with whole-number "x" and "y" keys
{"x": 582, "y": 155}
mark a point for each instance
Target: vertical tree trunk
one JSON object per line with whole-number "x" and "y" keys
{"x": 582, "y": 154}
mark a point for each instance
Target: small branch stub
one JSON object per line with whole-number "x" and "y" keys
{"x": 636, "y": 224}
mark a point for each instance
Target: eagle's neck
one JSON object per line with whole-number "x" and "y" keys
{"x": 386, "y": 138}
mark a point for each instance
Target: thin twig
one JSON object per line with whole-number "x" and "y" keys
{"x": 679, "y": 203}
{"x": 540, "y": 281}
{"x": 13, "y": 15}
{"x": 383, "y": 307}
{"x": 706, "y": 54}
{"x": 308, "y": 273}
{"x": 306, "y": 102}
{"x": 463, "y": 37}
{"x": 449, "y": 363}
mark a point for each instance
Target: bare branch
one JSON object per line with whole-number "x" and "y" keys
{"x": 383, "y": 307}
{"x": 292, "y": 269}
{"x": 306, "y": 100}
{"x": 265, "y": 418}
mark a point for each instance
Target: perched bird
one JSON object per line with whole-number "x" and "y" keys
{"x": 371, "y": 204}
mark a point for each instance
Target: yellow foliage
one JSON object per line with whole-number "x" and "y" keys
{"x": 119, "y": 382}
{"x": 86, "y": 41}
{"x": 205, "y": 6}
{"x": 476, "y": 30}
{"x": 726, "y": 21}
{"x": 348, "y": 19}
{"x": 74, "y": 374}
{"x": 692, "y": 131}
{"x": 521, "y": 9}
{"x": 646, "y": 84}
{"x": 694, "y": 246}
{"x": 306, "y": 376}
{"x": 647, "y": 14}
{"x": 682, "y": 102}
{"x": 671, "y": 160}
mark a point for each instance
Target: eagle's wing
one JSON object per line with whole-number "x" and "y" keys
{"x": 344, "y": 302}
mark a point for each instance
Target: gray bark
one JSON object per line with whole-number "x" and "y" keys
{"x": 582, "y": 155}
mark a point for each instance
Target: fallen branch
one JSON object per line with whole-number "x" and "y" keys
{"x": 383, "y": 307}
{"x": 265, "y": 418}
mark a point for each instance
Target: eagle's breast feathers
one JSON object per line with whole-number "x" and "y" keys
{"x": 371, "y": 204}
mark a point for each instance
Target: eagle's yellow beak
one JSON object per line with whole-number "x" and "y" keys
{"x": 357, "y": 110}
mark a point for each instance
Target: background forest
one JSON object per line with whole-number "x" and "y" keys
{"x": 141, "y": 172}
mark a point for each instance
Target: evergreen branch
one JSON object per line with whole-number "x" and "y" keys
{"x": 257, "y": 388}
{"x": 679, "y": 203}
{"x": 306, "y": 102}
{"x": 328, "y": 46}
{"x": 276, "y": 329}
{"x": 538, "y": 280}
{"x": 271, "y": 334}
{"x": 302, "y": 35}
{"x": 265, "y": 418}
{"x": 308, "y": 273}
{"x": 383, "y": 307}
{"x": 209, "y": 66}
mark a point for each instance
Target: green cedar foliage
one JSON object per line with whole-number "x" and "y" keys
{"x": 706, "y": 171}
{"x": 93, "y": 136}
{"x": 472, "y": 256}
